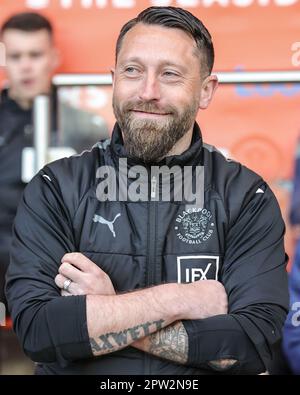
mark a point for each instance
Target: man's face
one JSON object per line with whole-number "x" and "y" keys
{"x": 157, "y": 89}
{"x": 31, "y": 60}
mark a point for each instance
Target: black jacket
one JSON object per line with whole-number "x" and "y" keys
{"x": 236, "y": 237}
{"x": 15, "y": 134}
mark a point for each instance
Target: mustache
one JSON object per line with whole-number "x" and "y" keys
{"x": 148, "y": 107}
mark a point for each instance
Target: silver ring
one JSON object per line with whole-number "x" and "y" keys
{"x": 67, "y": 284}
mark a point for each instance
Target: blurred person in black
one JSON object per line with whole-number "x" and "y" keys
{"x": 31, "y": 59}
{"x": 143, "y": 284}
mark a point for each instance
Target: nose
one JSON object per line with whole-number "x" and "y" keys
{"x": 25, "y": 63}
{"x": 150, "y": 89}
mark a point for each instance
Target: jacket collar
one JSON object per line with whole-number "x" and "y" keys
{"x": 192, "y": 156}
{"x": 12, "y": 104}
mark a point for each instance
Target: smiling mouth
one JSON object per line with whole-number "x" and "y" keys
{"x": 150, "y": 113}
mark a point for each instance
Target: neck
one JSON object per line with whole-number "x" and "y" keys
{"x": 182, "y": 145}
{"x": 25, "y": 104}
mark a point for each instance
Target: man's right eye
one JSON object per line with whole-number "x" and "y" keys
{"x": 131, "y": 71}
{"x": 14, "y": 57}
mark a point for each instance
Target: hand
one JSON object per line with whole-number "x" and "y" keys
{"x": 87, "y": 278}
{"x": 203, "y": 299}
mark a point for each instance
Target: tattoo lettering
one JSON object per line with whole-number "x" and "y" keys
{"x": 94, "y": 346}
{"x": 115, "y": 340}
{"x": 120, "y": 338}
{"x": 104, "y": 345}
{"x": 146, "y": 328}
{"x": 134, "y": 333}
{"x": 170, "y": 343}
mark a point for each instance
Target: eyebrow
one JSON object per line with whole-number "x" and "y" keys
{"x": 165, "y": 63}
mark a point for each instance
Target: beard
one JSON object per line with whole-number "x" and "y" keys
{"x": 151, "y": 140}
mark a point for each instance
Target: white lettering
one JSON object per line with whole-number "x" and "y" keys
{"x": 161, "y": 3}
{"x": 209, "y": 3}
{"x": 187, "y": 275}
{"x": 123, "y": 3}
{"x": 129, "y": 4}
{"x": 187, "y": 3}
{"x": 37, "y": 4}
{"x": 196, "y": 273}
{"x": 263, "y": 3}
{"x": 206, "y": 237}
{"x": 106, "y": 189}
{"x": 285, "y": 3}
{"x": 242, "y": 3}
{"x": 90, "y": 3}
{"x": 296, "y": 55}
{"x": 138, "y": 189}
{"x": 66, "y": 3}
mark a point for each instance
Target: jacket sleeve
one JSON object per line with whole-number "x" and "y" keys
{"x": 50, "y": 327}
{"x": 291, "y": 333}
{"x": 254, "y": 276}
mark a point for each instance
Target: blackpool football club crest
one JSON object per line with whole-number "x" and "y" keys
{"x": 194, "y": 226}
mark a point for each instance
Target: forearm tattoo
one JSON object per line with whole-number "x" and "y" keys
{"x": 114, "y": 341}
{"x": 170, "y": 343}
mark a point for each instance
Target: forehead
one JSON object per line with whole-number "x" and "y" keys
{"x": 15, "y": 39}
{"x": 158, "y": 42}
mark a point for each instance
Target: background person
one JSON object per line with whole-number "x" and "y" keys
{"x": 31, "y": 59}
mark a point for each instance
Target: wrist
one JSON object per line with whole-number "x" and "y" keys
{"x": 170, "y": 298}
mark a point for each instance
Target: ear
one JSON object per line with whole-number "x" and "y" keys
{"x": 112, "y": 72}
{"x": 209, "y": 86}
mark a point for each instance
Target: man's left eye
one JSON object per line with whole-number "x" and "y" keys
{"x": 170, "y": 73}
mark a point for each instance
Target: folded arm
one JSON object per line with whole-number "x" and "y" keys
{"x": 170, "y": 342}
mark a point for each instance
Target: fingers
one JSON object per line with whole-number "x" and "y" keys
{"x": 71, "y": 272}
{"x": 73, "y": 289}
{"x": 80, "y": 261}
{"x": 59, "y": 280}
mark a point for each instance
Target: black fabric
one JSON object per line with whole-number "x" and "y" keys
{"x": 237, "y": 238}
{"x": 15, "y": 134}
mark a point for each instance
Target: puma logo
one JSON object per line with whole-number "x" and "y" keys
{"x": 110, "y": 224}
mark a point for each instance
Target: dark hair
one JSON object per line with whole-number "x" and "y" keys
{"x": 27, "y": 22}
{"x": 174, "y": 17}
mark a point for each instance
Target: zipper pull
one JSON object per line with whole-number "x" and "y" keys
{"x": 153, "y": 187}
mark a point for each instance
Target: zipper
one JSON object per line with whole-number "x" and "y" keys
{"x": 153, "y": 187}
{"x": 152, "y": 233}
{"x": 151, "y": 252}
